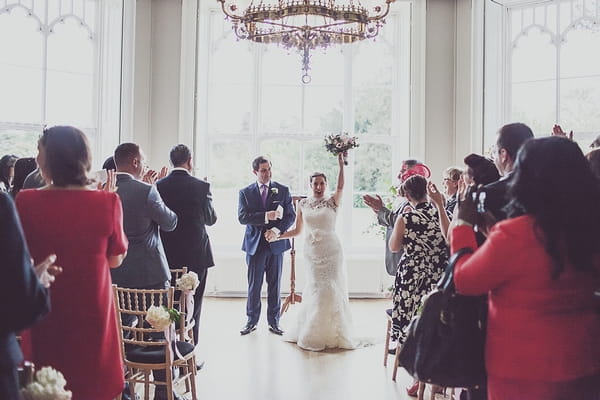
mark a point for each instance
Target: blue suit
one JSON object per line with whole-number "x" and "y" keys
{"x": 264, "y": 258}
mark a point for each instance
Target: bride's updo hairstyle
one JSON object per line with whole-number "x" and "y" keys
{"x": 316, "y": 174}
{"x": 415, "y": 186}
{"x": 67, "y": 155}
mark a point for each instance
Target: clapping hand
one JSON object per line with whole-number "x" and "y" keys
{"x": 150, "y": 176}
{"x": 558, "y": 131}
{"x": 374, "y": 202}
{"x": 111, "y": 181}
{"x": 163, "y": 172}
{"x": 47, "y": 271}
{"x": 435, "y": 195}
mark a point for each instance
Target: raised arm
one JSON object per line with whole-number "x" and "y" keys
{"x": 436, "y": 198}
{"x": 337, "y": 197}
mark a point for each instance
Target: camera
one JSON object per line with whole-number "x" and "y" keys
{"x": 479, "y": 199}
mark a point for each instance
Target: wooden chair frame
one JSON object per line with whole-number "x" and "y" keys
{"x": 135, "y": 302}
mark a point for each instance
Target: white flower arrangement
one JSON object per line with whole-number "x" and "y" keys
{"x": 49, "y": 384}
{"x": 161, "y": 317}
{"x": 274, "y": 190}
{"x": 188, "y": 281}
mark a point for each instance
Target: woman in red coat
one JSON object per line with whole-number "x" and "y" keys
{"x": 83, "y": 227}
{"x": 540, "y": 269}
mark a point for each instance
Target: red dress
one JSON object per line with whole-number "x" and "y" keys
{"x": 79, "y": 337}
{"x": 543, "y": 335}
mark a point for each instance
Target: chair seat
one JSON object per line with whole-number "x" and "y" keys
{"x": 155, "y": 354}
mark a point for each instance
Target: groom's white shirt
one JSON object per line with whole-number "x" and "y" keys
{"x": 274, "y": 229}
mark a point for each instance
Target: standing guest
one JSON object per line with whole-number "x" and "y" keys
{"x": 83, "y": 228}
{"x": 109, "y": 164}
{"x": 479, "y": 170}
{"x": 188, "y": 245}
{"x": 387, "y": 217}
{"x": 265, "y": 207}
{"x": 7, "y": 171}
{"x": 452, "y": 176}
{"x": 23, "y": 167}
{"x": 596, "y": 143}
{"x": 144, "y": 212}
{"x": 540, "y": 269}
{"x": 19, "y": 285}
{"x": 509, "y": 140}
{"x": 423, "y": 260}
{"x": 593, "y": 158}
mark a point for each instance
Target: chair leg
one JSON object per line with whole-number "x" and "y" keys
{"x": 396, "y": 362}
{"x": 387, "y": 342}
{"x": 169, "y": 382}
{"x": 192, "y": 376}
{"x": 421, "y": 392}
{"x": 147, "y": 385}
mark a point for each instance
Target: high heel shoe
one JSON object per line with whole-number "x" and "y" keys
{"x": 413, "y": 390}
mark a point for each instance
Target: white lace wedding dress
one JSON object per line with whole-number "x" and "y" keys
{"x": 324, "y": 318}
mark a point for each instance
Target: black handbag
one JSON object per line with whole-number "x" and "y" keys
{"x": 445, "y": 342}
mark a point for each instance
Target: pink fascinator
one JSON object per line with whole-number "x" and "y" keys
{"x": 418, "y": 169}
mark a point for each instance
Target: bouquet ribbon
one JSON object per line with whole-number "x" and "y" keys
{"x": 188, "y": 297}
{"x": 171, "y": 337}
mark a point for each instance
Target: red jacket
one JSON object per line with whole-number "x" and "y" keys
{"x": 538, "y": 328}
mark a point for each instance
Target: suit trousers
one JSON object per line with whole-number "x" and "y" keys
{"x": 264, "y": 263}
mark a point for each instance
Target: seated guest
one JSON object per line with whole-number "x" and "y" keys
{"x": 23, "y": 167}
{"x": 83, "y": 227}
{"x": 7, "y": 170}
{"x": 19, "y": 285}
{"x": 540, "y": 269}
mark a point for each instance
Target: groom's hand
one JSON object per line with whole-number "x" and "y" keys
{"x": 270, "y": 235}
{"x": 272, "y": 215}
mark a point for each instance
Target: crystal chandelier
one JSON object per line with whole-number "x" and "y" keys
{"x": 306, "y": 25}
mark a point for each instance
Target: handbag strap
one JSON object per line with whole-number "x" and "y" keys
{"x": 447, "y": 280}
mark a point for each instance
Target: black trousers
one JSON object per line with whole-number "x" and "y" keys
{"x": 9, "y": 384}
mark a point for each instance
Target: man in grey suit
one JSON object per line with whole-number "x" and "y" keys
{"x": 387, "y": 217}
{"x": 144, "y": 212}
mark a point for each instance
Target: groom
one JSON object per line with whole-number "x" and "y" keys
{"x": 265, "y": 207}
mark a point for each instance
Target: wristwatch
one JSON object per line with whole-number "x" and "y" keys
{"x": 459, "y": 222}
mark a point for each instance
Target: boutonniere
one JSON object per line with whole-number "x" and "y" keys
{"x": 274, "y": 190}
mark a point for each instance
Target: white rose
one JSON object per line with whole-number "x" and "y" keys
{"x": 158, "y": 317}
{"x": 188, "y": 281}
{"x": 48, "y": 376}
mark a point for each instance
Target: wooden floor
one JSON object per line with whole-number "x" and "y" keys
{"x": 261, "y": 366}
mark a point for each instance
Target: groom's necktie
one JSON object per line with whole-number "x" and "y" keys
{"x": 263, "y": 194}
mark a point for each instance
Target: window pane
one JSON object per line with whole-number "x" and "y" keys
{"x": 285, "y": 159}
{"x": 317, "y": 159}
{"x": 534, "y": 104}
{"x": 20, "y": 68}
{"x": 372, "y": 167}
{"x": 230, "y": 164}
{"x": 534, "y": 57}
{"x": 20, "y": 143}
{"x": 70, "y": 78}
{"x": 281, "y": 109}
{"x": 324, "y": 107}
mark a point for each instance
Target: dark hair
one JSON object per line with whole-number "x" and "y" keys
{"x": 567, "y": 219}
{"x": 6, "y": 163}
{"x": 125, "y": 153}
{"x": 483, "y": 169}
{"x": 454, "y": 173}
{"x": 596, "y": 143}
{"x": 593, "y": 158}
{"x": 68, "y": 155}
{"x": 257, "y": 161}
{"x": 315, "y": 174}
{"x": 512, "y": 136}
{"x": 411, "y": 162}
{"x": 179, "y": 155}
{"x": 23, "y": 167}
{"x": 415, "y": 186}
{"x": 109, "y": 163}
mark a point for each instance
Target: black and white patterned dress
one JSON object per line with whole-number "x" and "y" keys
{"x": 421, "y": 265}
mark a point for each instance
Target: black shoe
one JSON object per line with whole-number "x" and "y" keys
{"x": 248, "y": 328}
{"x": 276, "y": 329}
{"x": 199, "y": 365}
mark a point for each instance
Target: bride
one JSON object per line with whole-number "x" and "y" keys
{"x": 324, "y": 319}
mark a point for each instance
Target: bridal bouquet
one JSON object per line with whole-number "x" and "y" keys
{"x": 188, "y": 281}
{"x": 161, "y": 317}
{"x": 49, "y": 384}
{"x": 337, "y": 143}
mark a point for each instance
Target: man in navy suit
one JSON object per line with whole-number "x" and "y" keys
{"x": 188, "y": 245}
{"x": 265, "y": 207}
